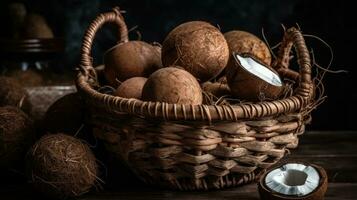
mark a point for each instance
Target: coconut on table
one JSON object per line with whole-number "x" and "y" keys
{"x": 61, "y": 166}
{"x": 17, "y": 134}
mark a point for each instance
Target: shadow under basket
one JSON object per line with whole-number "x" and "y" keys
{"x": 198, "y": 147}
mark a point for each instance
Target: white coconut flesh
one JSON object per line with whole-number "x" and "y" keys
{"x": 293, "y": 179}
{"x": 259, "y": 70}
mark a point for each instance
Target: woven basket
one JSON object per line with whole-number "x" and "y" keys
{"x": 198, "y": 147}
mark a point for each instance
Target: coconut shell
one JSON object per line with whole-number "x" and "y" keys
{"x": 65, "y": 115}
{"x": 198, "y": 47}
{"x": 246, "y": 86}
{"x": 16, "y": 136}
{"x": 131, "y": 88}
{"x": 131, "y": 59}
{"x": 243, "y": 42}
{"x": 317, "y": 194}
{"x": 60, "y": 166}
{"x": 13, "y": 94}
{"x": 172, "y": 85}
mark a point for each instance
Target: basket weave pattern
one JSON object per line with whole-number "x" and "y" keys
{"x": 195, "y": 147}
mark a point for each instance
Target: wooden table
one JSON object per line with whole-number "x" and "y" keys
{"x": 335, "y": 151}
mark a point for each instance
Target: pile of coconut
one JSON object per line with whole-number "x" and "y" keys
{"x": 196, "y": 64}
{"x": 58, "y": 164}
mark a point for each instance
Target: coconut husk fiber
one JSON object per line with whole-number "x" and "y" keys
{"x": 61, "y": 166}
{"x": 13, "y": 94}
{"x": 16, "y": 136}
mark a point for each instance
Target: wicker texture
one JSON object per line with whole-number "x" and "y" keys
{"x": 191, "y": 147}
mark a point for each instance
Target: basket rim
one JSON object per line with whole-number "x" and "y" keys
{"x": 170, "y": 111}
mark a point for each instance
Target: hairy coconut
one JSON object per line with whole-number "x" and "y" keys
{"x": 65, "y": 115}
{"x": 217, "y": 89}
{"x": 131, "y": 59}
{"x": 198, "y": 47}
{"x": 16, "y": 136}
{"x": 35, "y": 26}
{"x": 243, "y": 42}
{"x": 172, "y": 85}
{"x": 222, "y": 80}
{"x": 131, "y": 88}
{"x": 59, "y": 166}
{"x": 293, "y": 181}
{"x": 249, "y": 79}
{"x": 30, "y": 77}
{"x": 13, "y": 94}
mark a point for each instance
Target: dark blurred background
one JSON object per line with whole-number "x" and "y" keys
{"x": 331, "y": 21}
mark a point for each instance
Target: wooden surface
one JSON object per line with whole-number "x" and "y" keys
{"x": 335, "y": 151}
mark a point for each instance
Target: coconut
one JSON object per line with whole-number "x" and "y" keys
{"x": 65, "y": 115}
{"x": 172, "y": 85}
{"x": 198, "y": 47}
{"x": 61, "y": 166}
{"x": 16, "y": 136}
{"x": 217, "y": 89}
{"x": 243, "y": 42}
{"x": 222, "y": 80}
{"x": 249, "y": 79}
{"x": 131, "y": 88}
{"x": 29, "y": 77}
{"x": 13, "y": 94}
{"x": 131, "y": 59}
{"x": 35, "y": 26}
{"x": 293, "y": 181}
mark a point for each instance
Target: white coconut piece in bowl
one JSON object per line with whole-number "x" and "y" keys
{"x": 293, "y": 179}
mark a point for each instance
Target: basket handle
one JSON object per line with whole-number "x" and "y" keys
{"x": 114, "y": 16}
{"x": 297, "y": 102}
{"x": 293, "y": 37}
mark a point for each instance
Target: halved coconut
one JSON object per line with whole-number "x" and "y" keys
{"x": 250, "y": 79}
{"x": 293, "y": 181}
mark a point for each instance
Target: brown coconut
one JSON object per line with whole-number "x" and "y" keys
{"x": 13, "y": 94}
{"x": 16, "y": 136}
{"x": 60, "y": 166}
{"x": 35, "y": 26}
{"x": 246, "y": 85}
{"x": 65, "y": 115}
{"x": 217, "y": 89}
{"x": 30, "y": 78}
{"x": 318, "y": 193}
{"x": 246, "y": 43}
{"x": 172, "y": 85}
{"x": 131, "y": 59}
{"x": 131, "y": 88}
{"x": 198, "y": 47}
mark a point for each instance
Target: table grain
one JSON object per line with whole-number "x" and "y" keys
{"x": 336, "y": 151}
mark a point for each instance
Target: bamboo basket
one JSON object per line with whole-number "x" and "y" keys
{"x": 198, "y": 147}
